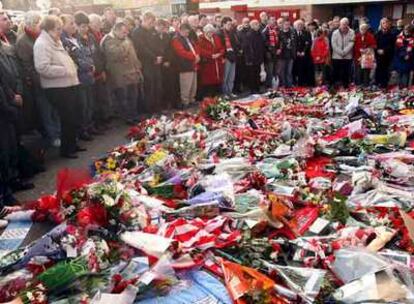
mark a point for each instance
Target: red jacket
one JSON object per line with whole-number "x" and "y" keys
{"x": 363, "y": 42}
{"x": 320, "y": 50}
{"x": 185, "y": 56}
{"x": 211, "y": 69}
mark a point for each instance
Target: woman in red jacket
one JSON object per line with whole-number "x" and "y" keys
{"x": 364, "y": 54}
{"x": 211, "y": 64}
{"x": 320, "y": 56}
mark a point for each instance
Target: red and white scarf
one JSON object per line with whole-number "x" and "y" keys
{"x": 272, "y": 35}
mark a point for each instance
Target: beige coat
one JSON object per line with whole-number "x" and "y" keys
{"x": 53, "y": 63}
{"x": 122, "y": 64}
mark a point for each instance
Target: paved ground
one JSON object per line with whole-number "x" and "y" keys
{"x": 45, "y": 182}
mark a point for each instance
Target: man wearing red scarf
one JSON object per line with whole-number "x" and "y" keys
{"x": 35, "y": 99}
{"x": 271, "y": 39}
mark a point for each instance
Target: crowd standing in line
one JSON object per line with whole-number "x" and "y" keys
{"x": 67, "y": 76}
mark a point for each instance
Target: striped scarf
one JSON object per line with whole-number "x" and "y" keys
{"x": 272, "y": 35}
{"x": 227, "y": 41}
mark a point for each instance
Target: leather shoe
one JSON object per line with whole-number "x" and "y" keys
{"x": 69, "y": 155}
{"x": 80, "y": 149}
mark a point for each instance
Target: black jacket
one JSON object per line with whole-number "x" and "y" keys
{"x": 253, "y": 48}
{"x": 303, "y": 42}
{"x": 147, "y": 46}
{"x": 287, "y": 45}
{"x": 235, "y": 44}
{"x": 386, "y": 42}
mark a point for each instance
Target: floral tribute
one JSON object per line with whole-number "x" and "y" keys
{"x": 295, "y": 196}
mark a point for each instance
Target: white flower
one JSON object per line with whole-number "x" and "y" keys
{"x": 108, "y": 201}
{"x": 30, "y": 296}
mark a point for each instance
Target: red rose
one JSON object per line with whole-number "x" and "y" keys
{"x": 48, "y": 203}
{"x": 92, "y": 215}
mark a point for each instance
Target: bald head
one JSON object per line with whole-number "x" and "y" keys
{"x": 255, "y": 25}
{"x": 344, "y": 25}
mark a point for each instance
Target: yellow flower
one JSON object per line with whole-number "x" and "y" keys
{"x": 111, "y": 163}
{"x": 156, "y": 157}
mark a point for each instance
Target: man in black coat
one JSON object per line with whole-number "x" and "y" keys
{"x": 303, "y": 67}
{"x": 169, "y": 74}
{"x": 149, "y": 52}
{"x": 240, "y": 81}
{"x": 11, "y": 102}
{"x": 385, "y": 52}
{"x": 286, "y": 54}
{"x": 253, "y": 52}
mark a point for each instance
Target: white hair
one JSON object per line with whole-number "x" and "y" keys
{"x": 32, "y": 18}
{"x": 209, "y": 28}
{"x": 344, "y": 20}
{"x": 297, "y": 23}
{"x": 363, "y": 25}
{"x": 192, "y": 19}
{"x": 93, "y": 18}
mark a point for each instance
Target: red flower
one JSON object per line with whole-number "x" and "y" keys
{"x": 92, "y": 215}
{"x": 48, "y": 203}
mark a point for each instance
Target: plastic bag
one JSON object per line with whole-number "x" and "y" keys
{"x": 306, "y": 282}
{"x": 262, "y": 73}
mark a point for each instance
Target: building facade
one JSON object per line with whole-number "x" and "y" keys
{"x": 307, "y": 9}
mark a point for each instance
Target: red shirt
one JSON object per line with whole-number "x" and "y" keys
{"x": 320, "y": 50}
{"x": 363, "y": 42}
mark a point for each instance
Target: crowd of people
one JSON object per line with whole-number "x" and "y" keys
{"x": 69, "y": 75}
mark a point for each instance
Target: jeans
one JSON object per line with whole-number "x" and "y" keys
{"x": 48, "y": 115}
{"x": 127, "y": 101}
{"x": 86, "y": 96}
{"x": 66, "y": 102}
{"x": 229, "y": 75}
{"x": 284, "y": 71}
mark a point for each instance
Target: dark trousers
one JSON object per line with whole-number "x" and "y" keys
{"x": 240, "y": 80}
{"x": 342, "y": 71}
{"x": 152, "y": 89}
{"x": 66, "y": 102}
{"x": 382, "y": 73}
{"x": 303, "y": 71}
{"x": 102, "y": 102}
{"x": 362, "y": 76}
{"x": 253, "y": 72}
{"x": 127, "y": 100}
{"x": 87, "y": 105}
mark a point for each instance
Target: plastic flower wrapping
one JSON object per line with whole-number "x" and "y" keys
{"x": 295, "y": 196}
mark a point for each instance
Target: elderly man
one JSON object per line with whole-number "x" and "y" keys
{"x": 123, "y": 69}
{"x": 240, "y": 80}
{"x": 35, "y": 98}
{"x": 195, "y": 32}
{"x": 343, "y": 40}
{"x": 264, "y": 19}
{"x": 188, "y": 58}
{"x": 149, "y": 51}
{"x": 253, "y": 53}
{"x": 303, "y": 70}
